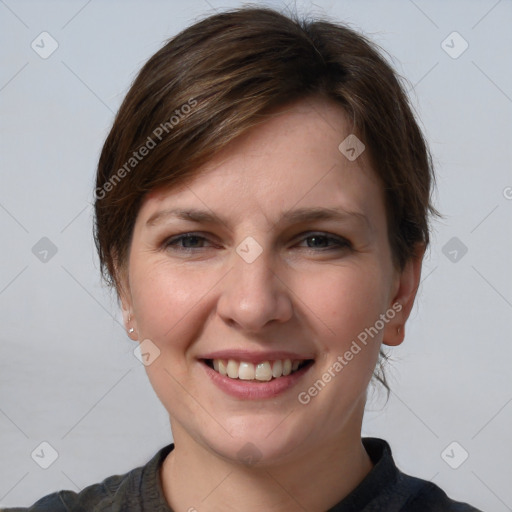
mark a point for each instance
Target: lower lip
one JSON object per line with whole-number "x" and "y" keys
{"x": 255, "y": 390}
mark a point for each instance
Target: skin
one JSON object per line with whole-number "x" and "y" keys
{"x": 301, "y": 294}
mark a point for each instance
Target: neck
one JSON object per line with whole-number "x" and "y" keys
{"x": 194, "y": 478}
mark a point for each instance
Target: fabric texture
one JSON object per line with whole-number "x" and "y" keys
{"x": 384, "y": 489}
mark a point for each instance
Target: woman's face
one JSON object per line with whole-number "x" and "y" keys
{"x": 285, "y": 261}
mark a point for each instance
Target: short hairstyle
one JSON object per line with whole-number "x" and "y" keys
{"x": 223, "y": 75}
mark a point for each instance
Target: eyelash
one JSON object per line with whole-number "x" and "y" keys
{"x": 340, "y": 243}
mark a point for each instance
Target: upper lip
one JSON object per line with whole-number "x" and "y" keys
{"x": 256, "y": 357}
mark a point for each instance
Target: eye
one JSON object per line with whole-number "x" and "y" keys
{"x": 320, "y": 241}
{"x": 191, "y": 241}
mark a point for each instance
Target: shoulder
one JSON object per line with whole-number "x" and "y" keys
{"x": 424, "y": 496}
{"x": 395, "y": 490}
{"x": 95, "y": 497}
{"x": 117, "y": 493}
{"x": 52, "y": 502}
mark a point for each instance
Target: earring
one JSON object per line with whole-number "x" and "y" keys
{"x": 131, "y": 330}
{"x": 398, "y": 329}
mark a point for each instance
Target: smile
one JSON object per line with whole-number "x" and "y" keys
{"x": 264, "y": 371}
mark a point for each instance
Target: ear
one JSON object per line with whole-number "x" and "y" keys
{"x": 125, "y": 301}
{"x": 406, "y": 286}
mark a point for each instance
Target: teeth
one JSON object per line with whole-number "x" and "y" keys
{"x": 277, "y": 369}
{"x": 232, "y": 369}
{"x": 222, "y": 367}
{"x": 263, "y": 371}
{"x": 246, "y": 371}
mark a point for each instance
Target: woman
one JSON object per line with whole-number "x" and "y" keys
{"x": 262, "y": 206}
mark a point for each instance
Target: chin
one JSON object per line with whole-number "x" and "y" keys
{"x": 258, "y": 445}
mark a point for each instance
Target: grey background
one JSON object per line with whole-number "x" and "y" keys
{"x": 68, "y": 375}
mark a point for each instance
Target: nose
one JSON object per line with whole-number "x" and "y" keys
{"x": 254, "y": 293}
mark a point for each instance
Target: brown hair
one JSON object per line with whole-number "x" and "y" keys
{"x": 221, "y": 76}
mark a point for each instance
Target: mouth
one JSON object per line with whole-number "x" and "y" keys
{"x": 263, "y": 371}
{"x": 256, "y": 375}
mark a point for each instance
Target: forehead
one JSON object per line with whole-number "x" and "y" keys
{"x": 292, "y": 157}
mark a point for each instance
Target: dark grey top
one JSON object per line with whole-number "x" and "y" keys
{"x": 384, "y": 489}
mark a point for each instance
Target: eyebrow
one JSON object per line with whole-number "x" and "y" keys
{"x": 303, "y": 215}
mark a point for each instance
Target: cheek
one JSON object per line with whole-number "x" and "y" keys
{"x": 168, "y": 304}
{"x": 165, "y": 300}
{"x": 345, "y": 299}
